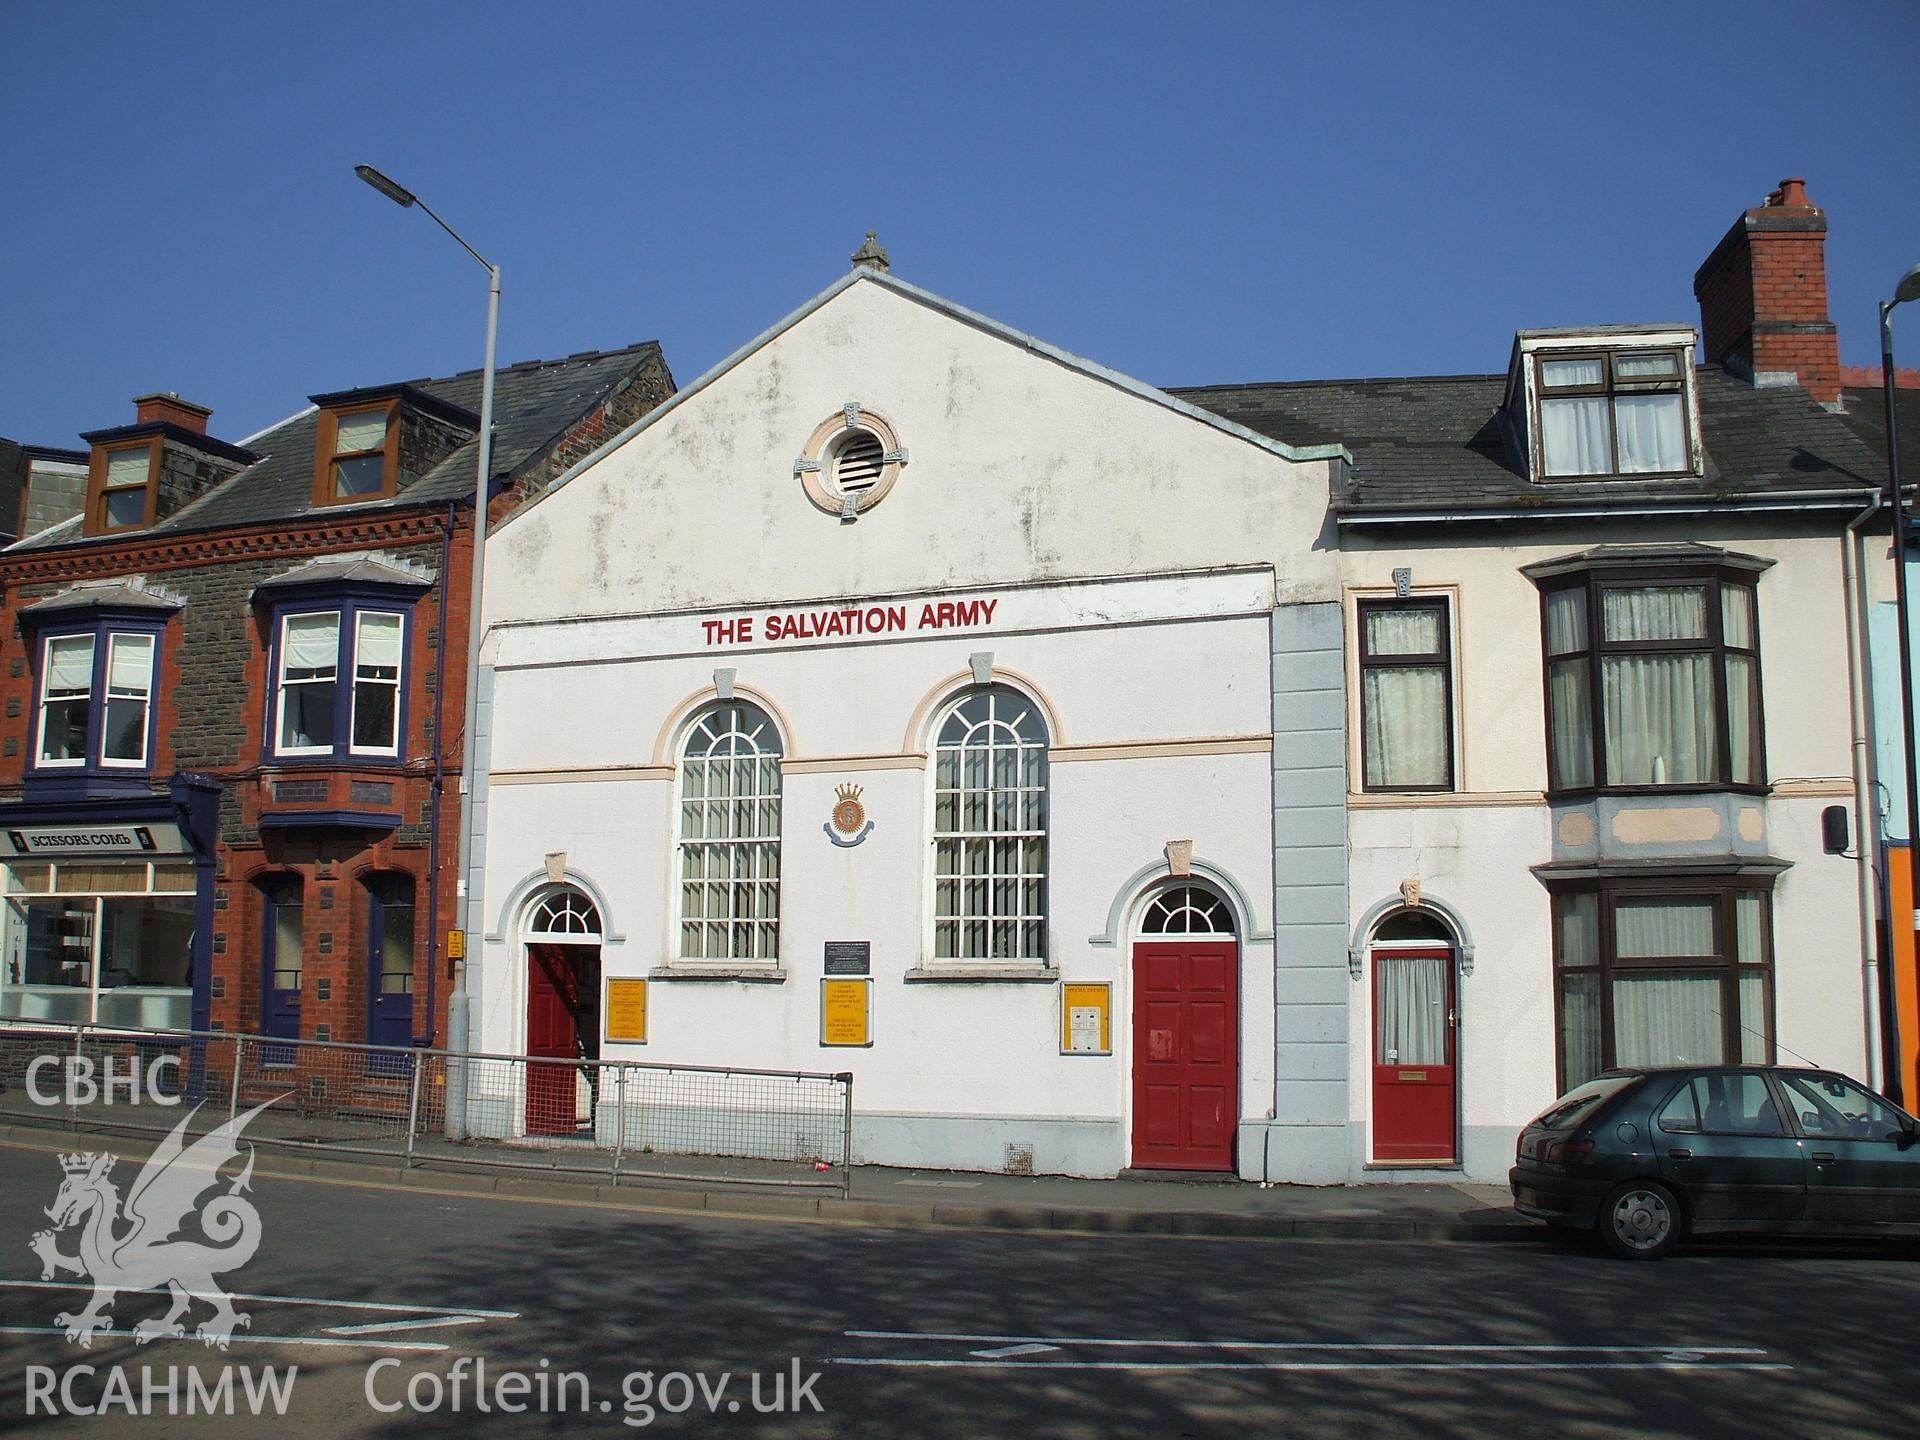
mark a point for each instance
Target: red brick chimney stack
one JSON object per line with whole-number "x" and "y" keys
{"x": 1763, "y": 296}
{"x": 167, "y": 406}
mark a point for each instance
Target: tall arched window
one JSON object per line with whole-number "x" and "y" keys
{"x": 990, "y": 829}
{"x": 730, "y": 836}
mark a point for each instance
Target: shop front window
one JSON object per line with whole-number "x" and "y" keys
{"x": 99, "y": 942}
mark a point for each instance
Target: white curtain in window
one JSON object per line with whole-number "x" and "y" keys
{"x": 1659, "y": 719}
{"x": 1580, "y": 1027}
{"x": 1749, "y": 925}
{"x": 1745, "y": 758}
{"x": 1736, "y": 616}
{"x": 1414, "y": 631}
{"x": 70, "y": 663}
{"x": 1667, "y": 1020}
{"x": 1680, "y": 925}
{"x": 312, "y": 642}
{"x": 1570, "y": 706}
{"x": 1406, "y": 730}
{"x": 1640, "y": 367}
{"x": 379, "y": 644}
{"x": 1411, "y": 1026}
{"x": 130, "y": 664}
{"x": 366, "y": 431}
{"x": 1577, "y": 435}
{"x": 1579, "y": 930}
{"x": 1566, "y": 621}
{"x": 1755, "y": 1039}
{"x": 1653, "y": 433}
{"x": 1570, "y": 372}
{"x": 1654, "y": 612}
{"x": 129, "y": 467}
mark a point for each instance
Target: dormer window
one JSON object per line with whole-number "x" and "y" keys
{"x": 357, "y": 454}
{"x": 1613, "y": 412}
{"x": 122, "y": 486}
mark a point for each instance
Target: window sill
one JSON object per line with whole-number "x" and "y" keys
{"x": 749, "y": 974}
{"x": 982, "y": 975}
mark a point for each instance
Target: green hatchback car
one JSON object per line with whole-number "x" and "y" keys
{"x": 1643, "y": 1158}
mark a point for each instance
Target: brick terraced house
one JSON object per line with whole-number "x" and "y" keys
{"x": 233, "y": 681}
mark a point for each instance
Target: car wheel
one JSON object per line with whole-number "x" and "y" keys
{"x": 1640, "y": 1221}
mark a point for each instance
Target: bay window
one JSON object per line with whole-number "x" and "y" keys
{"x": 337, "y": 686}
{"x": 95, "y": 703}
{"x": 1650, "y": 973}
{"x": 1406, "y": 695}
{"x": 1653, "y": 680}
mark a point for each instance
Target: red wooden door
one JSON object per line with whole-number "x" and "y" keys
{"x": 1186, "y": 1054}
{"x": 1413, "y": 1055}
{"x": 563, "y": 984}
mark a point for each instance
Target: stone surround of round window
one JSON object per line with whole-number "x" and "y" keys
{"x": 850, "y": 462}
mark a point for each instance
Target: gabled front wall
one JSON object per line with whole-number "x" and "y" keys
{"x": 1136, "y": 557}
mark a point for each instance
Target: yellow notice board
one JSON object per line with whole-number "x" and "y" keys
{"x": 627, "y": 1011}
{"x": 846, "y": 1012}
{"x": 1086, "y": 1018}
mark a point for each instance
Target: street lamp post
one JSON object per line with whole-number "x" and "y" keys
{"x": 467, "y": 891}
{"x": 1907, "y": 289}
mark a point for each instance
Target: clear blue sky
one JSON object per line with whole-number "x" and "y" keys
{"x": 1191, "y": 193}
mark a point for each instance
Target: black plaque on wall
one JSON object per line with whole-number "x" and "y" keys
{"x": 849, "y": 957}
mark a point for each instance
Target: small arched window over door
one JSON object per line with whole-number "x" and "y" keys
{"x": 564, "y": 915}
{"x": 1187, "y": 910}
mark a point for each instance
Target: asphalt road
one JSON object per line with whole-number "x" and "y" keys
{"x": 945, "y": 1333}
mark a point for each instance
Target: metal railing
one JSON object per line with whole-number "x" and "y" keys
{"x": 619, "y": 1118}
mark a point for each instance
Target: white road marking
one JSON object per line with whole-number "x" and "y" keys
{"x": 382, "y": 1305}
{"x": 1006, "y": 1352}
{"x": 238, "y": 1339}
{"x": 432, "y": 1322}
{"x": 942, "y": 1184}
{"x": 1304, "y": 1365}
{"x": 1056, "y": 1341}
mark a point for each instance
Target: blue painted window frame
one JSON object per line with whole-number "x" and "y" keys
{"x": 349, "y": 606}
{"x": 93, "y": 765}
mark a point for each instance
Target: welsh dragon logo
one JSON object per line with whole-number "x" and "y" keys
{"x": 135, "y": 1247}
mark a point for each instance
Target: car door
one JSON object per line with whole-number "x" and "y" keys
{"x": 1724, "y": 1145}
{"x": 1865, "y": 1171}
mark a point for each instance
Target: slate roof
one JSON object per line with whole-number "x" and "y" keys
{"x": 123, "y": 594}
{"x": 534, "y": 404}
{"x": 1866, "y": 416}
{"x": 1441, "y": 443}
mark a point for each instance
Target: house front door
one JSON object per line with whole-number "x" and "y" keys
{"x": 1413, "y": 1056}
{"x": 563, "y": 1024}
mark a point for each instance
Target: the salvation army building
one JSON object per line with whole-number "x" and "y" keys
{"x": 909, "y": 697}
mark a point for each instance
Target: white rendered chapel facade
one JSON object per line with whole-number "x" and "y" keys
{"x": 988, "y": 699}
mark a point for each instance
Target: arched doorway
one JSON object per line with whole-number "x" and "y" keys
{"x": 1415, "y": 1040}
{"x": 1186, "y": 1032}
{"x": 562, "y": 933}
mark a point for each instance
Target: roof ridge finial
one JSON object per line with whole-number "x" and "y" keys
{"x": 872, "y": 255}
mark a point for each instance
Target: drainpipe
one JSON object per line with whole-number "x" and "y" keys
{"x": 439, "y": 788}
{"x": 1866, "y": 810}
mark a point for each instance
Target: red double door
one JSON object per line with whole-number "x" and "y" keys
{"x": 563, "y": 1024}
{"x": 1186, "y": 1054}
{"x": 1414, "y": 1085}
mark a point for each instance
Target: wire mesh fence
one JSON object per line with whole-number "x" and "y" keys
{"x": 619, "y": 1118}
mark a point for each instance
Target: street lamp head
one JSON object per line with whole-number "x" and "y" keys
{"x": 399, "y": 194}
{"x": 1908, "y": 288}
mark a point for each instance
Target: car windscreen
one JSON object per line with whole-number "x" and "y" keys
{"x": 1577, "y": 1104}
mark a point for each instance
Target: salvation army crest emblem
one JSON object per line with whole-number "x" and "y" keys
{"x": 849, "y": 825}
